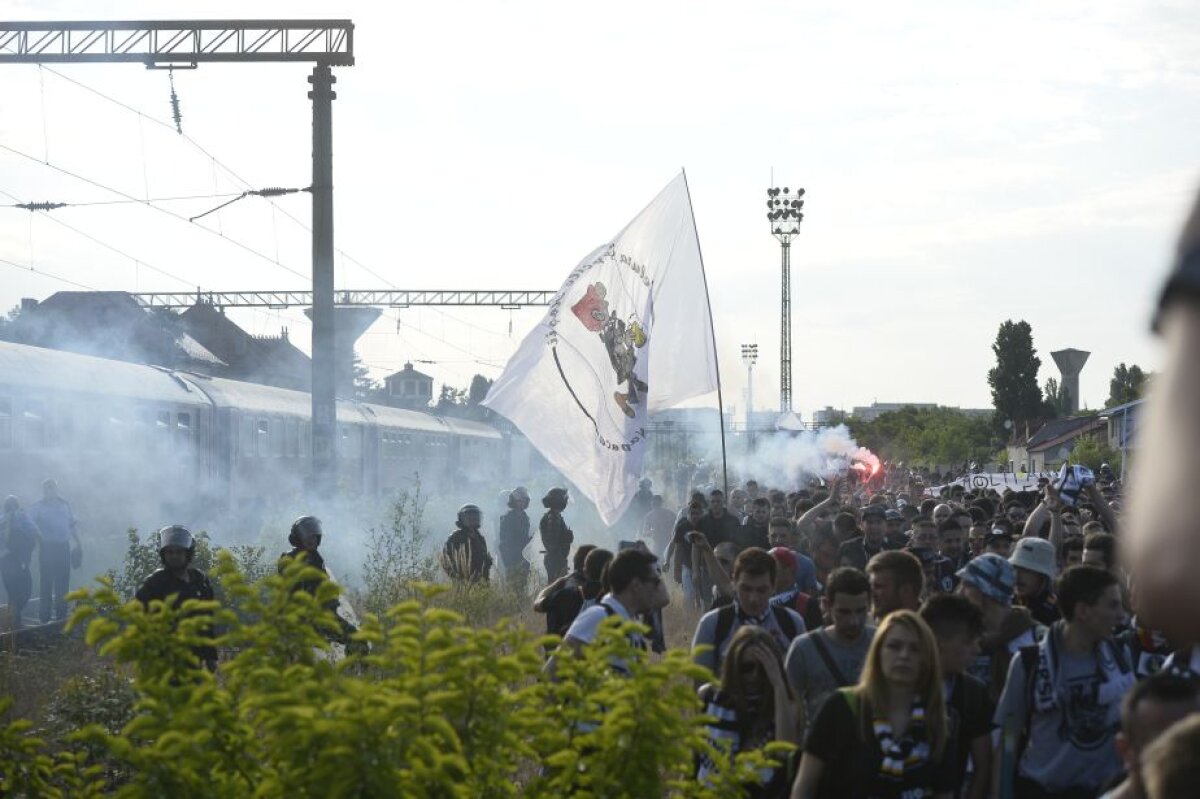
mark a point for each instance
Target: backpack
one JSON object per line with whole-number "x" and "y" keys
{"x": 725, "y": 619}
{"x": 1029, "y": 661}
{"x": 562, "y": 607}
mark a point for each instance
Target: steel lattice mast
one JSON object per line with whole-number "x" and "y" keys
{"x": 784, "y": 213}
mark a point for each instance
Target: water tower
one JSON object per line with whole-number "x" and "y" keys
{"x": 1070, "y": 363}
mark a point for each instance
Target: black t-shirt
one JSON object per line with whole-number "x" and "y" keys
{"x": 852, "y": 762}
{"x": 754, "y": 535}
{"x": 856, "y": 553}
{"x": 969, "y": 713}
{"x": 718, "y": 531}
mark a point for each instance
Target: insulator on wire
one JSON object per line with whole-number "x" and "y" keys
{"x": 175, "y": 102}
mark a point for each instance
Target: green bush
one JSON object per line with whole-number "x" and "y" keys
{"x": 436, "y": 709}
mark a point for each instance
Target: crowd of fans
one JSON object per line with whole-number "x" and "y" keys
{"x": 978, "y": 643}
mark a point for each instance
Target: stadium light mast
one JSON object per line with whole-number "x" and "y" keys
{"x": 784, "y": 212}
{"x": 749, "y": 358}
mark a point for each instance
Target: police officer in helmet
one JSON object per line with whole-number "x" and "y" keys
{"x": 465, "y": 555}
{"x": 514, "y": 537}
{"x": 305, "y": 537}
{"x": 177, "y": 579}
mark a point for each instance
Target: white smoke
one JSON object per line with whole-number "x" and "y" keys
{"x": 787, "y": 460}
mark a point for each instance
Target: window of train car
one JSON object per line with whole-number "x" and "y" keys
{"x": 163, "y": 430}
{"x": 183, "y": 430}
{"x": 33, "y": 425}
{"x": 6, "y": 429}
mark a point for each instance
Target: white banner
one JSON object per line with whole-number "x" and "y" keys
{"x": 627, "y": 335}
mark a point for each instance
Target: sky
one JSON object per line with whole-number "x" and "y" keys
{"x": 965, "y": 163}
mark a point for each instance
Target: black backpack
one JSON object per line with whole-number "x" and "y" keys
{"x": 725, "y": 619}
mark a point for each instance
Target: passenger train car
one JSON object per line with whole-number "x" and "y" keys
{"x": 131, "y": 435}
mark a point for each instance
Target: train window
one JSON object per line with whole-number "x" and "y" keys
{"x": 33, "y": 426}
{"x": 183, "y": 430}
{"x": 262, "y": 438}
{"x": 278, "y": 435}
{"x": 293, "y": 438}
{"x": 6, "y": 431}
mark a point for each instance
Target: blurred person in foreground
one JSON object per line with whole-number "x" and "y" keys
{"x": 1153, "y": 705}
{"x": 1163, "y": 528}
{"x": 1171, "y": 765}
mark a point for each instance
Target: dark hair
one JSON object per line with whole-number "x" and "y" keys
{"x": 1105, "y": 543}
{"x": 1081, "y": 584}
{"x": 1003, "y": 524}
{"x": 951, "y": 614}
{"x": 949, "y": 526}
{"x": 761, "y": 502}
{"x": 716, "y": 492}
{"x": 845, "y": 523}
{"x": 696, "y": 505}
{"x": 754, "y": 562}
{"x": 1162, "y": 687}
{"x": 904, "y": 566}
{"x": 780, "y": 521}
{"x": 927, "y": 506}
{"x": 846, "y": 580}
{"x": 581, "y": 556}
{"x": 924, "y": 521}
{"x": 594, "y": 563}
{"x": 804, "y": 506}
{"x": 627, "y": 566}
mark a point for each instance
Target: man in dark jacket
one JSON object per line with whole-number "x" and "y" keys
{"x": 514, "y": 537}
{"x": 305, "y": 537}
{"x": 465, "y": 556}
{"x": 18, "y": 538}
{"x": 177, "y": 581}
{"x": 556, "y": 535}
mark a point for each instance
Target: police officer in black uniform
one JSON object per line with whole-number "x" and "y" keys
{"x": 465, "y": 556}
{"x": 556, "y": 535}
{"x": 177, "y": 578}
{"x": 514, "y": 537}
{"x": 305, "y": 537}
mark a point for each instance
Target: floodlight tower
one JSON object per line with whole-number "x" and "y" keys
{"x": 784, "y": 214}
{"x": 749, "y": 357}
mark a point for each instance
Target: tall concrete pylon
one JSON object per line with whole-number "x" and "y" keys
{"x": 1070, "y": 363}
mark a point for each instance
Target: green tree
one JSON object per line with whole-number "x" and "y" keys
{"x": 365, "y": 389}
{"x": 1015, "y": 392}
{"x": 8, "y": 327}
{"x": 927, "y": 436}
{"x": 1056, "y": 402}
{"x": 1092, "y": 450}
{"x": 1127, "y": 384}
{"x": 436, "y": 707}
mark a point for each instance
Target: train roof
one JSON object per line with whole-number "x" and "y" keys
{"x": 409, "y": 420}
{"x": 467, "y": 427}
{"x": 255, "y": 397}
{"x": 60, "y": 371}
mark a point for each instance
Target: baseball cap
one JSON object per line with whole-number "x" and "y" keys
{"x": 785, "y": 557}
{"x": 1036, "y": 555}
{"x": 991, "y": 574}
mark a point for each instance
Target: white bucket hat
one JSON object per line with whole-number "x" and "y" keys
{"x": 1036, "y": 555}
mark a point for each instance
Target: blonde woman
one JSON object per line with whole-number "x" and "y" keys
{"x": 886, "y": 737}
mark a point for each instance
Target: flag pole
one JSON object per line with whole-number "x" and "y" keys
{"x": 712, "y": 329}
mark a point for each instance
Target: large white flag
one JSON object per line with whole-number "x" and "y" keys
{"x": 627, "y": 335}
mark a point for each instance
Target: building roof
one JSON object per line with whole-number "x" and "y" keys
{"x": 408, "y": 372}
{"x": 1057, "y": 431}
{"x": 272, "y": 360}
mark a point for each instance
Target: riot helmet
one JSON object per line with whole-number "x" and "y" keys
{"x": 176, "y": 535}
{"x": 304, "y": 527}
{"x": 518, "y": 495}
{"x": 556, "y": 499}
{"x": 470, "y": 516}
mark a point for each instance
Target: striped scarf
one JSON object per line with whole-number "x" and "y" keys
{"x": 908, "y": 753}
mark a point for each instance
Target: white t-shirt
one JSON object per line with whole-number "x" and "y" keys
{"x": 584, "y": 628}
